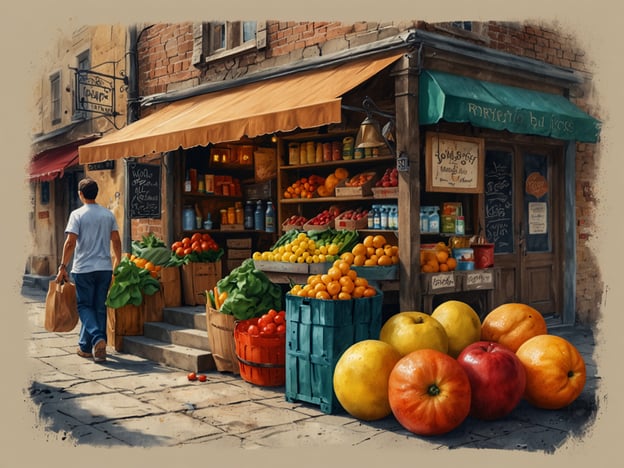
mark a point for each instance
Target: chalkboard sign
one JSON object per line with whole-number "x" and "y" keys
{"x": 144, "y": 185}
{"x": 498, "y": 200}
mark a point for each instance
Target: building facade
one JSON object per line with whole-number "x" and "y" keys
{"x": 175, "y": 62}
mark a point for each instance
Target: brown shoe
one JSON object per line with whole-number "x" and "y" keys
{"x": 81, "y": 353}
{"x": 99, "y": 351}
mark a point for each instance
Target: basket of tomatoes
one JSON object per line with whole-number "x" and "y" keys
{"x": 261, "y": 349}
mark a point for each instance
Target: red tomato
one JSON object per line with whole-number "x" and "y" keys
{"x": 180, "y": 252}
{"x": 201, "y": 378}
{"x": 196, "y": 237}
{"x": 188, "y": 251}
{"x": 262, "y": 322}
{"x": 205, "y": 245}
{"x": 176, "y": 245}
{"x": 270, "y": 328}
{"x": 206, "y": 237}
{"x": 281, "y": 329}
{"x": 429, "y": 392}
{"x": 186, "y": 241}
{"x": 272, "y": 313}
{"x": 191, "y": 376}
{"x": 279, "y": 319}
{"x": 253, "y": 330}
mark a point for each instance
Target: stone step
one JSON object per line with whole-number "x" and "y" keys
{"x": 173, "y": 355}
{"x": 186, "y": 316}
{"x": 170, "y": 333}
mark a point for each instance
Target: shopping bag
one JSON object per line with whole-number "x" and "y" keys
{"x": 61, "y": 312}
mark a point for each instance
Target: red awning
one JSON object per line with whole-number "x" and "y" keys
{"x": 50, "y": 164}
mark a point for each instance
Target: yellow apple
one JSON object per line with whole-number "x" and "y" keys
{"x": 411, "y": 330}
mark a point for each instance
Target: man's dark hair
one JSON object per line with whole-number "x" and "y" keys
{"x": 89, "y": 188}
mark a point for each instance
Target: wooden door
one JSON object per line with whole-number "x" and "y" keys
{"x": 523, "y": 208}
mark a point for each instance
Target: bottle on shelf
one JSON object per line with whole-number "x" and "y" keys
{"x": 434, "y": 221}
{"x": 383, "y": 217}
{"x": 269, "y": 218}
{"x": 208, "y": 222}
{"x": 259, "y": 217}
{"x": 371, "y": 217}
{"x": 377, "y": 217}
{"x": 188, "y": 218}
{"x": 187, "y": 182}
{"x": 249, "y": 215}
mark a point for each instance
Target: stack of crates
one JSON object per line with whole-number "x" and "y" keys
{"x": 318, "y": 332}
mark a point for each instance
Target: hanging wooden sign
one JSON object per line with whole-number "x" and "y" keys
{"x": 454, "y": 163}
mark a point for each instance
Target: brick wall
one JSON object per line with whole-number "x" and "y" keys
{"x": 165, "y": 53}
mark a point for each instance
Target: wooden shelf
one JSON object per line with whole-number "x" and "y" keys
{"x": 339, "y": 162}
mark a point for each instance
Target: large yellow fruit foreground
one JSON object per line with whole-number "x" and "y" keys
{"x": 409, "y": 331}
{"x": 461, "y": 323}
{"x": 555, "y": 371}
{"x": 361, "y": 379}
{"x": 512, "y": 324}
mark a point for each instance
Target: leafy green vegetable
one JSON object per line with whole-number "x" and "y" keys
{"x": 129, "y": 285}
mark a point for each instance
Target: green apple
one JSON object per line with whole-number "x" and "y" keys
{"x": 409, "y": 331}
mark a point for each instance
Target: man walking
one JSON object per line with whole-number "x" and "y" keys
{"x": 91, "y": 230}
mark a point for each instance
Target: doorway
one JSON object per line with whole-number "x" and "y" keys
{"x": 523, "y": 206}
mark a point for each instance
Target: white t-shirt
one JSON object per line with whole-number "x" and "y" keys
{"x": 93, "y": 225}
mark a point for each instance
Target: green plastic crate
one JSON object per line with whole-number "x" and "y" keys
{"x": 317, "y": 333}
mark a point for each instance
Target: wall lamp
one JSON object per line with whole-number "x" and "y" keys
{"x": 370, "y": 134}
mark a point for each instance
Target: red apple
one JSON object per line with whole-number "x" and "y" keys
{"x": 497, "y": 379}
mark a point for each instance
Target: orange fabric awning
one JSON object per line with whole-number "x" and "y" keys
{"x": 52, "y": 163}
{"x": 303, "y": 100}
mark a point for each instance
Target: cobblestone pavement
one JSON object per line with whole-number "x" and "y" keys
{"x": 133, "y": 402}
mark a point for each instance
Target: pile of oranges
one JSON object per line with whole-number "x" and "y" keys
{"x": 374, "y": 250}
{"x": 145, "y": 264}
{"x": 437, "y": 259}
{"x": 304, "y": 187}
{"x": 339, "y": 283}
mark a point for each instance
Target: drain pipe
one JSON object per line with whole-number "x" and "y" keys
{"x": 132, "y": 116}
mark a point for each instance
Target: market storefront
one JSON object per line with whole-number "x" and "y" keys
{"x": 508, "y": 115}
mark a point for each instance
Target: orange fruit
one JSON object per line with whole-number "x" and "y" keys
{"x": 334, "y": 273}
{"x": 348, "y": 257}
{"x": 555, "y": 371}
{"x": 368, "y": 241}
{"x": 442, "y": 256}
{"x": 384, "y": 260}
{"x": 512, "y": 324}
{"x": 379, "y": 241}
{"x": 359, "y": 260}
{"x": 451, "y": 263}
{"x": 334, "y": 288}
{"x": 359, "y": 249}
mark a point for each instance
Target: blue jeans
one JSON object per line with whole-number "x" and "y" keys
{"x": 91, "y": 292}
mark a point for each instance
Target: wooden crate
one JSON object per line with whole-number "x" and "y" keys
{"x": 124, "y": 321}
{"x": 220, "y": 328}
{"x": 197, "y": 278}
{"x": 153, "y": 307}
{"x": 171, "y": 286}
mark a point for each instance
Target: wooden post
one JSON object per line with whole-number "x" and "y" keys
{"x": 408, "y": 145}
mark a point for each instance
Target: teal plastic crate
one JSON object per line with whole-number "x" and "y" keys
{"x": 317, "y": 333}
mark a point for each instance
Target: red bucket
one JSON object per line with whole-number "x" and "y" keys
{"x": 483, "y": 255}
{"x": 261, "y": 359}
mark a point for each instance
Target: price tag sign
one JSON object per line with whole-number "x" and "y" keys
{"x": 402, "y": 163}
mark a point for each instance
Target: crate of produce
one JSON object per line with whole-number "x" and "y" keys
{"x": 197, "y": 278}
{"x": 220, "y": 329}
{"x": 390, "y": 272}
{"x": 317, "y": 333}
{"x": 261, "y": 358}
{"x": 359, "y": 185}
{"x": 282, "y": 267}
{"x": 385, "y": 192}
{"x": 352, "y": 220}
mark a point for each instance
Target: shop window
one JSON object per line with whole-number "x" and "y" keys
{"x": 216, "y": 40}
{"x": 55, "y": 96}
{"x": 45, "y": 193}
{"x": 83, "y": 63}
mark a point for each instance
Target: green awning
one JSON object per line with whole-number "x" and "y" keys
{"x": 453, "y": 98}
